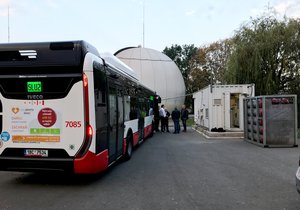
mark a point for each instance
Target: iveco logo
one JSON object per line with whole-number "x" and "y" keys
{"x": 35, "y": 97}
{"x": 31, "y": 54}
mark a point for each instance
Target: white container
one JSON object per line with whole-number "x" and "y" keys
{"x": 221, "y": 106}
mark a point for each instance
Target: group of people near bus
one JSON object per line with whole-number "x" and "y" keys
{"x": 176, "y": 115}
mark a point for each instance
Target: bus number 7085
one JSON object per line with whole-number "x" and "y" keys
{"x": 73, "y": 124}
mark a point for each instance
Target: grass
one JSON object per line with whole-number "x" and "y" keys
{"x": 190, "y": 122}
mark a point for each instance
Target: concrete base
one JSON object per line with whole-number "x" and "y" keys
{"x": 220, "y": 135}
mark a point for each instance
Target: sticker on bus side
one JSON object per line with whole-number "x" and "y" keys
{"x": 47, "y": 117}
{"x": 5, "y": 136}
{"x": 34, "y": 124}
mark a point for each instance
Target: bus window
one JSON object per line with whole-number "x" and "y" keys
{"x": 133, "y": 108}
{"x": 126, "y": 107}
{"x": 100, "y": 109}
{"x": 100, "y": 87}
{"x": 142, "y": 107}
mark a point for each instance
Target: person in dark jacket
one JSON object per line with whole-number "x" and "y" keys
{"x": 175, "y": 118}
{"x": 184, "y": 117}
{"x": 167, "y": 120}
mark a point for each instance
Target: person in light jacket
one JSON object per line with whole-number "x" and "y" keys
{"x": 162, "y": 115}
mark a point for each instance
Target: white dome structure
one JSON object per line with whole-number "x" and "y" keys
{"x": 158, "y": 72}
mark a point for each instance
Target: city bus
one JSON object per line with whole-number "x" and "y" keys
{"x": 65, "y": 107}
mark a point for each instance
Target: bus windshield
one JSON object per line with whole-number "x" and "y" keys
{"x": 53, "y": 82}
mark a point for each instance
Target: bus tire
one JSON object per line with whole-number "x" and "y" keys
{"x": 129, "y": 148}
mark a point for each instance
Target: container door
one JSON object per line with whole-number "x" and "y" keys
{"x": 227, "y": 110}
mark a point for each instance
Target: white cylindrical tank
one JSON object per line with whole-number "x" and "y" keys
{"x": 158, "y": 72}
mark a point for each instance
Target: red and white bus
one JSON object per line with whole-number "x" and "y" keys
{"x": 64, "y": 107}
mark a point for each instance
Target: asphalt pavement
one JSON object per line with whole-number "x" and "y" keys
{"x": 169, "y": 171}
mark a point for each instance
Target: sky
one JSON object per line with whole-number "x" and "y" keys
{"x": 111, "y": 25}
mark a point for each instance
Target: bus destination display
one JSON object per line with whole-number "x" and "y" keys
{"x": 34, "y": 87}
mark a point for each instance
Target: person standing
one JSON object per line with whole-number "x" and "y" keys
{"x": 175, "y": 118}
{"x": 184, "y": 117}
{"x": 162, "y": 115}
{"x": 167, "y": 120}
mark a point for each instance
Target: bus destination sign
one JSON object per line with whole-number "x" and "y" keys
{"x": 34, "y": 87}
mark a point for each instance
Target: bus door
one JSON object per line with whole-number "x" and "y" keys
{"x": 141, "y": 118}
{"x": 116, "y": 123}
{"x": 120, "y": 132}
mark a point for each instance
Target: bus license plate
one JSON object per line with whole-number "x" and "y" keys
{"x": 36, "y": 153}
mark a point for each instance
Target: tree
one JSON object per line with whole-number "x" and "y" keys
{"x": 185, "y": 58}
{"x": 266, "y": 52}
{"x": 213, "y": 59}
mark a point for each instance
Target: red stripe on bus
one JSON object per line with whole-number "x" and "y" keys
{"x": 86, "y": 98}
{"x": 91, "y": 163}
{"x": 147, "y": 130}
{"x": 88, "y": 128}
{"x": 124, "y": 146}
{"x": 135, "y": 138}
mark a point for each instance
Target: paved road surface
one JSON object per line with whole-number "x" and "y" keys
{"x": 169, "y": 171}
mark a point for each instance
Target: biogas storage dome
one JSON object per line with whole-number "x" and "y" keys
{"x": 158, "y": 72}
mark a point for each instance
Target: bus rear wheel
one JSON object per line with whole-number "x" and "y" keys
{"x": 129, "y": 148}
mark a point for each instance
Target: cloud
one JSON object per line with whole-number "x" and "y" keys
{"x": 190, "y": 13}
{"x": 52, "y": 4}
{"x": 294, "y": 11}
{"x": 3, "y": 12}
{"x": 4, "y": 7}
{"x": 4, "y": 2}
{"x": 288, "y": 8}
{"x": 256, "y": 12}
{"x": 282, "y": 7}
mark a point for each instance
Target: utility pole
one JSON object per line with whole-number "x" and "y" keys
{"x": 144, "y": 24}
